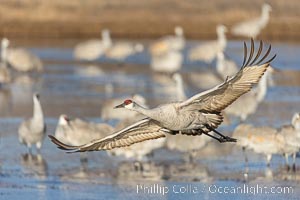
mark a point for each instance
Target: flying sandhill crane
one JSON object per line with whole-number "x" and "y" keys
{"x": 32, "y": 131}
{"x": 208, "y": 51}
{"x": 253, "y": 27}
{"x": 200, "y": 114}
{"x": 108, "y": 113}
{"x": 20, "y": 59}
{"x": 92, "y": 49}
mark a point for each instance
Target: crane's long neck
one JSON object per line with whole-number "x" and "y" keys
{"x": 145, "y": 111}
{"x": 38, "y": 115}
{"x": 222, "y": 39}
{"x": 220, "y": 64}
{"x": 3, "y": 52}
{"x": 262, "y": 87}
{"x": 181, "y": 96}
{"x": 106, "y": 39}
{"x": 264, "y": 18}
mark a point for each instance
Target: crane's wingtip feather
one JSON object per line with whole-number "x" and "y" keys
{"x": 61, "y": 145}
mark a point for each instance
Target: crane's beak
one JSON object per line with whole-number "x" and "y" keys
{"x": 122, "y": 105}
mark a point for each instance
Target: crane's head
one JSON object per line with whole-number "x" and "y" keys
{"x": 63, "y": 120}
{"x": 221, "y": 29}
{"x": 266, "y": 8}
{"x": 129, "y": 104}
{"x": 178, "y": 31}
{"x": 36, "y": 97}
{"x": 4, "y": 43}
{"x": 296, "y": 121}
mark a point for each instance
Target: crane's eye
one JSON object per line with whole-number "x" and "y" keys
{"x": 127, "y": 101}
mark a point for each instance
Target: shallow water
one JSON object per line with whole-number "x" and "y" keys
{"x": 79, "y": 89}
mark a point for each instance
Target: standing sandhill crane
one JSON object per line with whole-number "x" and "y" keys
{"x": 92, "y": 49}
{"x": 121, "y": 50}
{"x": 209, "y": 50}
{"x": 262, "y": 140}
{"x": 20, "y": 59}
{"x": 168, "y": 62}
{"x": 200, "y": 114}
{"x": 32, "y": 131}
{"x": 168, "y": 43}
{"x": 291, "y": 134}
{"x": 253, "y": 27}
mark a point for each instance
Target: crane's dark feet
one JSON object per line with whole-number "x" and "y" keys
{"x": 227, "y": 139}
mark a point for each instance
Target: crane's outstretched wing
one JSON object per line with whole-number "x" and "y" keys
{"x": 142, "y": 130}
{"x": 221, "y": 96}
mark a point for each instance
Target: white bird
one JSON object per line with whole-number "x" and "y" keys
{"x": 291, "y": 135}
{"x": 262, "y": 140}
{"x": 200, "y": 114}
{"x": 252, "y": 28}
{"x": 168, "y": 43}
{"x": 225, "y": 67}
{"x": 121, "y": 50}
{"x": 32, "y": 131}
{"x": 108, "y": 112}
{"x": 92, "y": 49}
{"x": 208, "y": 51}
{"x": 20, "y": 59}
{"x": 168, "y": 62}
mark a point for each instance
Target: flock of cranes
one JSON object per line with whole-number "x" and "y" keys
{"x": 185, "y": 125}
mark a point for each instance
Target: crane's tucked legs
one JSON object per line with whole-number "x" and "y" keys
{"x": 222, "y": 137}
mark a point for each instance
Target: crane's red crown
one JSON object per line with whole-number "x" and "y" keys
{"x": 127, "y": 101}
